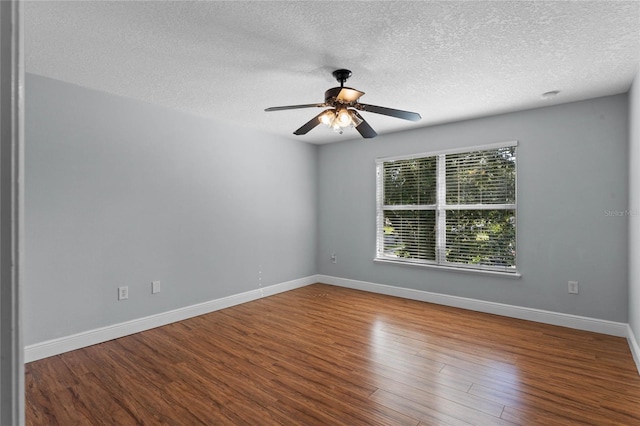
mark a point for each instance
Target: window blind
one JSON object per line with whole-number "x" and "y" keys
{"x": 479, "y": 225}
{"x": 455, "y": 208}
{"x": 408, "y": 212}
{"x": 480, "y": 177}
{"x": 410, "y": 182}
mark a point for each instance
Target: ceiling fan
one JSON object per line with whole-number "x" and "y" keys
{"x": 343, "y": 111}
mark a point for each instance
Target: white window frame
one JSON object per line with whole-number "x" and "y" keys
{"x": 440, "y": 207}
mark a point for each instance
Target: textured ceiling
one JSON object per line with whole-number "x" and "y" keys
{"x": 229, "y": 60}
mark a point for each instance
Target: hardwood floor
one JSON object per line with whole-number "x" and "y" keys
{"x": 324, "y": 355}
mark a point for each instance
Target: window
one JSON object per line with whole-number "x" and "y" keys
{"x": 454, "y": 208}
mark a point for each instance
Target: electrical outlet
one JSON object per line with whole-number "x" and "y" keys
{"x": 155, "y": 287}
{"x": 123, "y": 293}
{"x": 334, "y": 258}
{"x": 573, "y": 287}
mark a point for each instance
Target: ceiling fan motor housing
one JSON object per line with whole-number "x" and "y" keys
{"x": 341, "y": 95}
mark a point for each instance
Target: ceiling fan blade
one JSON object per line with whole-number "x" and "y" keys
{"x": 348, "y": 95}
{"x": 363, "y": 128}
{"x": 405, "y": 115}
{"x": 309, "y": 125}
{"x": 280, "y": 108}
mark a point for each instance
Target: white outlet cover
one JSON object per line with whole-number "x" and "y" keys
{"x": 155, "y": 287}
{"x": 123, "y": 293}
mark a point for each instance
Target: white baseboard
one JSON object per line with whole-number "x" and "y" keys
{"x": 69, "y": 343}
{"x": 537, "y": 315}
{"x": 633, "y": 345}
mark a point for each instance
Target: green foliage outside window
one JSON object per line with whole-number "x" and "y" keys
{"x": 410, "y": 234}
{"x": 481, "y": 237}
{"x": 410, "y": 182}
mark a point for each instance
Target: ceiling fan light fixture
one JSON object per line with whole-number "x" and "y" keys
{"x": 339, "y": 119}
{"x": 344, "y": 118}
{"x": 336, "y": 128}
{"x": 355, "y": 120}
{"x": 328, "y": 117}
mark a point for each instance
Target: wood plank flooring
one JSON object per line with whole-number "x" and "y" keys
{"x": 324, "y": 355}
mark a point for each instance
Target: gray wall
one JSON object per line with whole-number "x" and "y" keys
{"x": 572, "y": 168}
{"x": 634, "y": 207}
{"x": 119, "y": 192}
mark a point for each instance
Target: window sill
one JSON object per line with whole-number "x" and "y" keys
{"x": 512, "y": 275}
